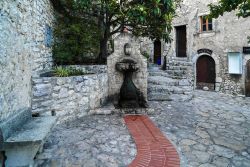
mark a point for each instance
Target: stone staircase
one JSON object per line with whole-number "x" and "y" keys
{"x": 175, "y": 83}
{"x": 179, "y": 68}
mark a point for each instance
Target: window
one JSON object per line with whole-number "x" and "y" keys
{"x": 234, "y": 63}
{"x": 48, "y": 36}
{"x": 206, "y": 24}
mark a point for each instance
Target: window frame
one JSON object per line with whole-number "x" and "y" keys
{"x": 207, "y": 23}
{"x": 231, "y": 62}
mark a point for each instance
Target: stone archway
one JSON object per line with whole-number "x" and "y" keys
{"x": 218, "y": 79}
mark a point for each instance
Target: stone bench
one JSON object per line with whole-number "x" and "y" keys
{"x": 22, "y": 144}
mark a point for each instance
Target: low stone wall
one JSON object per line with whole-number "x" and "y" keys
{"x": 91, "y": 68}
{"x": 69, "y": 97}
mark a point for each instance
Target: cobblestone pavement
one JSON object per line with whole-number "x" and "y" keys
{"x": 91, "y": 141}
{"x": 213, "y": 130}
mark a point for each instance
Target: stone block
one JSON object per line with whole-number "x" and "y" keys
{"x": 184, "y": 82}
{"x": 42, "y": 90}
{"x": 63, "y": 93}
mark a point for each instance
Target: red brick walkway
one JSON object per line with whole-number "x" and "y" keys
{"x": 153, "y": 148}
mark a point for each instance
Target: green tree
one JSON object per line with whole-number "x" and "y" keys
{"x": 242, "y": 7}
{"x": 76, "y": 41}
{"x": 146, "y": 18}
{"x": 76, "y": 37}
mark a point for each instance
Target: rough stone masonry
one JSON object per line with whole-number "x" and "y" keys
{"x": 22, "y": 51}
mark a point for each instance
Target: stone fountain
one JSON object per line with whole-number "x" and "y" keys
{"x": 130, "y": 96}
{"x": 127, "y": 73}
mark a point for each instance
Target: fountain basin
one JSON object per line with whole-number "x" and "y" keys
{"x": 127, "y": 65}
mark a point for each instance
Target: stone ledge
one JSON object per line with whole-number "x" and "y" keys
{"x": 9, "y": 126}
{"x": 22, "y": 147}
{"x": 33, "y": 132}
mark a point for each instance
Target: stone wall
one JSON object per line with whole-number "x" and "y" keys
{"x": 115, "y": 78}
{"x": 22, "y": 51}
{"x": 229, "y": 35}
{"x": 43, "y": 18}
{"x": 69, "y": 97}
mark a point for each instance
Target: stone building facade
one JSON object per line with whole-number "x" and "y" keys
{"x": 24, "y": 29}
{"x": 218, "y": 41}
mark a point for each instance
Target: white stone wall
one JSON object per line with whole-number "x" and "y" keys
{"x": 69, "y": 97}
{"x": 43, "y": 14}
{"x": 229, "y": 35}
{"x": 115, "y": 78}
{"x": 22, "y": 52}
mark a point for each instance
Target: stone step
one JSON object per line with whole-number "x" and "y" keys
{"x": 179, "y": 58}
{"x": 166, "y": 81}
{"x": 159, "y": 73}
{"x": 177, "y": 68}
{"x": 159, "y": 97}
{"x": 169, "y": 97}
{"x": 165, "y": 74}
{"x": 179, "y": 77}
{"x": 179, "y": 63}
{"x": 159, "y": 80}
{"x": 154, "y": 67}
{"x": 169, "y": 89}
{"x": 176, "y": 72}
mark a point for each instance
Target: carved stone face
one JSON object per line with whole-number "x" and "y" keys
{"x": 127, "y": 49}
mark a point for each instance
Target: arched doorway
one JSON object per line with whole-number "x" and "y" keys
{"x": 205, "y": 72}
{"x": 247, "y": 84}
{"x": 157, "y": 52}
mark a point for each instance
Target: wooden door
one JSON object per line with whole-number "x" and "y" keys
{"x": 181, "y": 41}
{"x": 247, "y": 84}
{"x": 157, "y": 52}
{"x": 205, "y": 69}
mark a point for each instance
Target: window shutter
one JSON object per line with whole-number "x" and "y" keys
{"x": 234, "y": 63}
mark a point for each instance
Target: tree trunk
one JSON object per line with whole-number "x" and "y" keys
{"x": 104, "y": 44}
{"x": 103, "y": 50}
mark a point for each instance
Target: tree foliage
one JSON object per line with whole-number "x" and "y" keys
{"x": 146, "y": 18}
{"x": 76, "y": 41}
{"x": 242, "y": 7}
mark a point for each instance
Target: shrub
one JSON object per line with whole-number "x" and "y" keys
{"x": 60, "y": 71}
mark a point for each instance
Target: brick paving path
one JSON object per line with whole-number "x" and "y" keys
{"x": 153, "y": 149}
